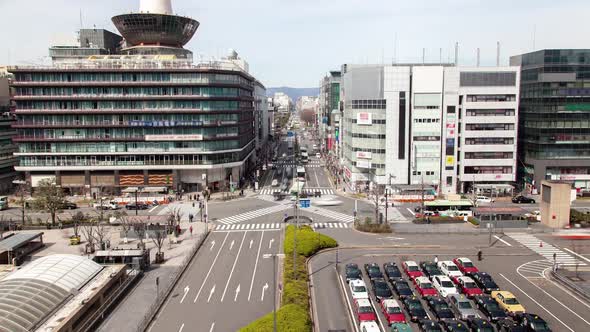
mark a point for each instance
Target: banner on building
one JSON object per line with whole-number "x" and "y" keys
{"x": 450, "y": 161}
{"x": 363, "y": 164}
{"x": 364, "y": 155}
{"x": 364, "y": 118}
{"x": 173, "y": 137}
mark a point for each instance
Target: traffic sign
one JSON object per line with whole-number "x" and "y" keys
{"x": 304, "y": 203}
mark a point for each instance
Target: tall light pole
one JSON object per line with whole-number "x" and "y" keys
{"x": 274, "y": 287}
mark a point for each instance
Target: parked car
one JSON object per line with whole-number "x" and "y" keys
{"x": 106, "y": 205}
{"x": 489, "y": 307}
{"x": 427, "y": 325}
{"x": 508, "y": 302}
{"x": 369, "y": 326}
{"x": 402, "y": 288}
{"x": 450, "y": 269}
{"x": 353, "y": 272}
{"x": 468, "y": 286}
{"x": 444, "y": 286}
{"x": 414, "y": 309}
{"x": 480, "y": 325}
{"x": 373, "y": 271}
{"x": 508, "y": 325}
{"x": 522, "y": 199}
{"x": 69, "y": 206}
{"x": 412, "y": 269}
{"x": 441, "y": 309}
{"x": 392, "y": 311}
{"x": 465, "y": 265}
{"x": 485, "y": 282}
{"x": 358, "y": 289}
{"x": 533, "y": 323}
{"x": 462, "y": 307}
{"x": 364, "y": 310}
{"x": 381, "y": 289}
{"x": 483, "y": 199}
{"x": 400, "y": 327}
{"x": 430, "y": 269}
{"x": 424, "y": 287}
{"x": 455, "y": 326}
{"x": 392, "y": 272}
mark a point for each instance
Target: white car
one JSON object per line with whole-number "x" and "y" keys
{"x": 318, "y": 155}
{"x": 449, "y": 269}
{"x": 370, "y": 326}
{"x": 275, "y": 183}
{"x": 358, "y": 289}
{"x": 444, "y": 286}
{"x": 483, "y": 199}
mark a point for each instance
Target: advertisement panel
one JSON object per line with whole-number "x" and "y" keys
{"x": 364, "y": 155}
{"x": 364, "y": 118}
{"x": 347, "y": 173}
{"x": 450, "y": 161}
{"x": 173, "y": 137}
{"x": 363, "y": 164}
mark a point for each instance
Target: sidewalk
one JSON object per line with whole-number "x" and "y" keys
{"x": 578, "y": 282}
{"x": 128, "y": 314}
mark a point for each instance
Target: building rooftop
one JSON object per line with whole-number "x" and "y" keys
{"x": 17, "y": 240}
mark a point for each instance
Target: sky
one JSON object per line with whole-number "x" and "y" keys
{"x": 295, "y": 42}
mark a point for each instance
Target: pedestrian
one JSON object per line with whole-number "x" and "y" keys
{"x": 191, "y": 230}
{"x": 428, "y": 219}
{"x": 435, "y": 259}
{"x": 190, "y": 216}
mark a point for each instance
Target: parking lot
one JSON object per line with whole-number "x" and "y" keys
{"x": 542, "y": 297}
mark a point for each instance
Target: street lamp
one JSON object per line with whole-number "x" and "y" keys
{"x": 136, "y": 206}
{"x": 22, "y": 184}
{"x": 274, "y": 286}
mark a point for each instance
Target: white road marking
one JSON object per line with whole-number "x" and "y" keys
{"x": 233, "y": 267}
{"x": 316, "y": 178}
{"x": 270, "y": 243}
{"x": 186, "y": 289}
{"x": 211, "y": 293}
{"x": 255, "y": 266}
{"x": 539, "y": 304}
{"x": 348, "y": 305}
{"x": 505, "y": 242}
{"x": 575, "y": 253}
{"x": 251, "y": 242}
{"x": 231, "y": 245}
{"x": 152, "y": 209}
{"x": 412, "y": 212}
{"x": 264, "y": 288}
{"x": 211, "y": 268}
{"x": 181, "y": 327}
{"x": 212, "y": 245}
{"x": 212, "y": 327}
{"x": 237, "y": 292}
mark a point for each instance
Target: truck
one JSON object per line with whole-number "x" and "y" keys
{"x": 290, "y": 144}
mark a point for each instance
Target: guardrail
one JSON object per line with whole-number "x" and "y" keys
{"x": 571, "y": 285}
{"x": 163, "y": 295}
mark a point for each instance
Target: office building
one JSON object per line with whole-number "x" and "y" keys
{"x": 145, "y": 120}
{"x": 554, "y": 133}
{"x": 329, "y": 113}
{"x": 433, "y": 126}
{"x": 283, "y": 102}
{"x": 91, "y": 42}
{"x": 7, "y": 147}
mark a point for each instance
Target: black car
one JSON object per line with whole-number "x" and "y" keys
{"x": 430, "y": 269}
{"x": 392, "y": 271}
{"x": 353, "y": 272}
{"x": 508, "y": 325}
{"x": 138, "y": 206}
{"x": 69, "y": 206}
{"x": 533, "y": 323}
{"x": 485, "y": 282}
{"x": 381, "y": 289}
{"x": 373, "y": 271}
{"x": 490, "y": 308}
{"x": 402, "y": 288}
{"x": 522, "y": 199}
{"x": 454, "y": 326}
{"x": 480, "y": 325}
{"x": 441, "y": 309}
{"x": 414, "y": 309}
{"x": 428, "y": 325}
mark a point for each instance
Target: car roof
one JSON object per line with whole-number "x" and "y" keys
{"x": 465, "y": 278}
{"x": 390, "y": 303}
{"x": 411, "y": 263}
{"x": 363, "y": 302}
{"x": 459, "y": 297}
{"x": 505, "y": 293}
{"x": 448, "y": 262}
{"x": 357, "y": 282}
{"x": 443, "y": 278}
{"x": 370, "y": 324}
{"x": 464, "y": 259}
{"x": 422, "y": 280}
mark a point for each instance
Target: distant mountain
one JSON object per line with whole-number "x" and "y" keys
{"x": 294, "y": 93}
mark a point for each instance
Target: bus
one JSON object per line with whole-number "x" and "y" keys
{"x": 448, "y": 208}
{"x": 304, "y": 157}
{"x": 296, "y": 187}
{"x": 301, "y": 173}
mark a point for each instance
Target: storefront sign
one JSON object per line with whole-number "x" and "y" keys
{"x": 363, "y": 164}
{"x": 347, "y": 173}
{"x": 173, "y": 137}
{"x": 450, "y": 161}
{"x": 364, "y": 155}
{"x": 364, "y": 118}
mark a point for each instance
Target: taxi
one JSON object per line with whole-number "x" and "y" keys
{"x": 508, "y": 302}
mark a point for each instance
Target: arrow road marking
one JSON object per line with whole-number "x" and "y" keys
{"x": 270, "y": 243}
{"x": 251, "y": 241}
{"x": 212, "y": 245}
{"x": 237, "y": 292}
{"x": 211, "y": 268}
{"x": 255, "y": 266}
{"x": 264, "y": 288}
{"x": 212, "y": 327}
{"x": 186, "y": 289}
{"x": 233, "y": 267}
{"x": 231, "y": 244}
{"x": 211, "y": 293}
{"x": 181, "y": 327}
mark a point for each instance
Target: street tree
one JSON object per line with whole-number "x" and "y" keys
{"x": 88, "y": 232}
{"x": 139, "y": 228}
{"x": 49, "y": 197}
{"x": 159, "y": 235}
{"x": 174, "y": 217}
{"x": 77, "y": 219}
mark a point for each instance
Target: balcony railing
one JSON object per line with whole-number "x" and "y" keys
{"x": 129, "y": 111}
{"x": 84, "y": 163}
{"x": 80, "y": 138}
{"x": 131, "y": 97}
{"x": 125, "y": 124}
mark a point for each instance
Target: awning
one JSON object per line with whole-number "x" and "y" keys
{"x": 145, "y": 189}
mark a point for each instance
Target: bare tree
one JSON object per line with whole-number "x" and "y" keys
{"x": 102, "y": 235}
{"x": 158, "y": 239}
{"x": 50, "y": 197}
{"x": 125, "y": 222}
{"x": 375, "y": 199}
{"x": 139, "y": 228}
{"x": 77, "y": 219}
{"x": 87, "y": 230}
{"x": 174, "y": 217}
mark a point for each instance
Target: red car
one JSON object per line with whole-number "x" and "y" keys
{"x": 425, "y": 287}
{"x": 392, "y": 311}
{"x": 364, "y": 310}
{"x": 468, "y": 287}
{"x": 465, "y": 265}
{"x": 412, "y": 269}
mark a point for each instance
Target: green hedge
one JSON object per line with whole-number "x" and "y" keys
{"x": 308, "y": 241}
{"x": 290, "y": 318}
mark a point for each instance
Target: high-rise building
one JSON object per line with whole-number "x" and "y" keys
{"x": 436, "y": 126}
{"x": 554, "y": 120}
{"x": 283, "y": 102}
{"x": 7, "y": 147}
{"x": 91, "y": 42}
{"x": 144, "y": 120}
{"x": 329, "y": 114}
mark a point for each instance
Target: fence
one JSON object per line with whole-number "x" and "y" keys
{"x": 162, "y": 295}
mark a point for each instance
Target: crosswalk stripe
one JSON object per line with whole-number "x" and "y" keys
{"x": 252, "y": 214}
{"x": 546, "y": 250}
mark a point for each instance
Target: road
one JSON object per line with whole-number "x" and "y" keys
{"x": 227, "y": 285}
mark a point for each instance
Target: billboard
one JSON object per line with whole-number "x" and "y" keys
{"x": 173, "y": 137}
{"x": 363, "y": 164}
{"x": 364, "y": 155}
{"x": 364, "y": 118}
{"x": 450, "y": 161}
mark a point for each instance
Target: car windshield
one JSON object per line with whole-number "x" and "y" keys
{"x": 540, "y": 326}
{"x": 412, "y": 268}
{"x": 402, "y": 285}
{"x": 452, "y": 268}
{"x": 394, "y": 310}
{"x": 381, "y": 285}
{"x": 446, "y": 284}
{"x": 470, "y": 284}
{"x": 492, "y": 306}
{"x": 511, "y": 301}
{"x": 467, "y": 264}
{"x": 425, "y": 285}
{"x": 442, "y": 306}
{"x": 357, "y": 289}
{"x": 365, "y": 310}
{"x": 414, "y": 305}
{"x": 374, "y": 270}
{"x": 465, "y": 305}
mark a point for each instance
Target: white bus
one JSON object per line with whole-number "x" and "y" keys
{"x": 301, "y": 173}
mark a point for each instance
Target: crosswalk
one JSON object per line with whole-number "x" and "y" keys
{"x": 545, "y": 249}
{"x": 311, "y": 163}
{"x": 534, "y": 269}
{"x": 332, "y": 215}
{"x": 247, "y": 227}
{"x": 308, "y": 191}
{"x": 253, "y": 214}
{"x": 322, "y": 225}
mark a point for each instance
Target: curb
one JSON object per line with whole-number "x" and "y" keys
{"x": 570, "y": 285}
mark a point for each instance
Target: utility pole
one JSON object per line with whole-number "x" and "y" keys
{"x": 136, "y": 207}
{"x": 422, "y": 191}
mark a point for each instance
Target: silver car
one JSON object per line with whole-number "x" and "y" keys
{"x": 462, "y": 307}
